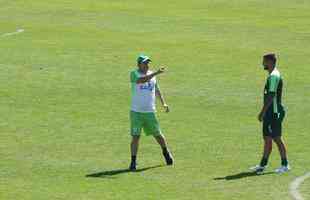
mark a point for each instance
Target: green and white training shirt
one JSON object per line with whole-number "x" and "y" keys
{"x": 142, "y": 94}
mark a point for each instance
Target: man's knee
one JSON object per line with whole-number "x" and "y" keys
{"x": 135, "y": 138}
{"x": 278, "y": 140}
{"x": 267, "y": 139}
{"x": 160, "y": 137}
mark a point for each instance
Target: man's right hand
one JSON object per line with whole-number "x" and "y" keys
{"x": 166, "y": 107}
{"x": 261, "y": 116}
{"x": 161, "y": 70}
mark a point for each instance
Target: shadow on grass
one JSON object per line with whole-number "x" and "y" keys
{"x": 241, "y": 175}
{"x": 109, "y": 174}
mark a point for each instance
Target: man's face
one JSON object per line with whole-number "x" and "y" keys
{"x": 267, "y": 64}
{"x": 144, "y": 67}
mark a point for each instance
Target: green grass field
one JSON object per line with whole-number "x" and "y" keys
{"x": 65, "y": 95}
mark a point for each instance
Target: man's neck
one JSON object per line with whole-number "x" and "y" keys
{"x": 270, "y": 70}
{"x": 142, "y": 72}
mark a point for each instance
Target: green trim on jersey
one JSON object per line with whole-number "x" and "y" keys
{"x": 134, "y": 76}
{"x": 274, "y": 84}
{"x": 273, "y": 87}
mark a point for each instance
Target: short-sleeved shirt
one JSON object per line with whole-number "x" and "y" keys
{"x": 142, "y": 94}
{"x": 274, "y": 85}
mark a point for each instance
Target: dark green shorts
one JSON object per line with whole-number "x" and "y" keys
{"x": 272, "y": 124}
{"x": 146, "y": 121}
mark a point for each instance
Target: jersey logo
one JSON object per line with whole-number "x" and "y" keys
{"x": 147, "y": 86}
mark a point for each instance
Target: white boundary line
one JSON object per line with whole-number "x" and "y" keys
{"x": 295, "y": 185}
{"x": 13, "y": 33}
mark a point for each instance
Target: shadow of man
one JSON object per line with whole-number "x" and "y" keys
{"x": 110, "y": 173}
{"x": 241, "y": 175}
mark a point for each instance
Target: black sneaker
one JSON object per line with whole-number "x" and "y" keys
{"x": 168, "y": 158}
{"x": 133, "y": 166}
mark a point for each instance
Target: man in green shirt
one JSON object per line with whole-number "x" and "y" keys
{"x": 272, "y": 115}
{"x": 144, "y": 89}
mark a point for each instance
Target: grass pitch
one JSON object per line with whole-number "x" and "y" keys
{"x": 64, "y": 86}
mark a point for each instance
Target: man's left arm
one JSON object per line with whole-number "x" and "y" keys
{"x": 161, "y": 97}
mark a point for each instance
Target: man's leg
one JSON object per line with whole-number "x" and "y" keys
{"x": 134, "y": 150}
{"x": 161, "y": 141}
{"x": 267, "y": 133}
{"x": 135, "y": 131}
{"x": 277, "y": 130}
{"x": 267, "y": 150}
{"x": 259, "y": 169}
{"x": 151, "y": 127}
{"x": 282, "y": 150}
{"x": 134, "y": 145}
{"x": 163, "y": 144}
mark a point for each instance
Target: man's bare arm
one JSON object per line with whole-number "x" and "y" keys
{"x": 162, "y": 99}
{"x": 150, "y": 76}
{"x": 267, "y": 104}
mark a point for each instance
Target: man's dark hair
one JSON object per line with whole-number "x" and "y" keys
{"x": 272, "y": 57}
